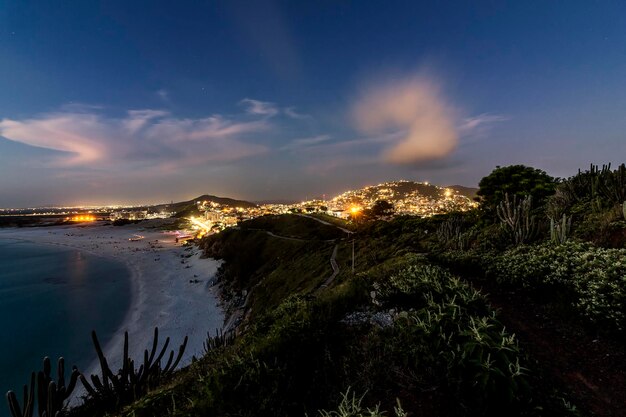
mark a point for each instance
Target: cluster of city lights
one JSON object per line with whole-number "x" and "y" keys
{"x": 82, "y": 218}
{"x": 200, "y": 226}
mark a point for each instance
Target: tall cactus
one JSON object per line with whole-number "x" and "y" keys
{"x": 51, "y": 395}
{"x": 516, "y": 217}
{"x": 560, "y": 230}
{"x": 113, "y": 390}
{"x": 613, "y": 184}
{"x": 28, "y": 404}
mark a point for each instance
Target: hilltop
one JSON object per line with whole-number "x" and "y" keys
{"x": 408, "y": 197}
{"x": 190, "y": 207}
{"x": 469, "y": 192}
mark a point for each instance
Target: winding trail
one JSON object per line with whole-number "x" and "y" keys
{"x": 333, "y": 264}
{"x": 343, "y": 229}
{"x": 238, "y": 315}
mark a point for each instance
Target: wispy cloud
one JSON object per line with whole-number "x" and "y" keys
{"x": 480, "y": 122}
{"x": 415, "y": 106}
{"x": 259, "y": 108}
{"x": 291, "y": 112}
{"x": 305, "y": 142}
{"x": 140, "y": 137}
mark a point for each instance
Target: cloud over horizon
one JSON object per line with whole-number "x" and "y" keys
{"x": 87, "y": 138}
{"x": 415, "y": 108}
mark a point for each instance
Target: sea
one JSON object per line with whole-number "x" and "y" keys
{"x": 51, "y": 298}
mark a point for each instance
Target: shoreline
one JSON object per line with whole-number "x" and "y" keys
{"x": 171, "y": 286}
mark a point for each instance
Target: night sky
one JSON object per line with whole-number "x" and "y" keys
{"x": 152, "y": 101}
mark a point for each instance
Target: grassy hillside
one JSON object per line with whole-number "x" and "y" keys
{"x": 456, "y": 315}
{"x": 189, "y": 208}
{"x": 399, "y": 331}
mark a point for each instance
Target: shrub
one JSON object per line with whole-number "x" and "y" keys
{"x": 350, "y": 406}
{"x": 596, "y": 277}
{"x": 450, "y": 328}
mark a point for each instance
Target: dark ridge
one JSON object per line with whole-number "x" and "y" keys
{"x": 469, "y": 192}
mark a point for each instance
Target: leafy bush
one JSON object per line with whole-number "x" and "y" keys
{"x": 596, "y": 277}
{"x": 451, "y": 329}
{"x": 350, "y": 406}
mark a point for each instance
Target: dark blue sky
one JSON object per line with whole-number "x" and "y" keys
{"x": 152, "y": 101}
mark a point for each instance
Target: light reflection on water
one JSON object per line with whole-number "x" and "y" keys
{"x": 50, "y": 300}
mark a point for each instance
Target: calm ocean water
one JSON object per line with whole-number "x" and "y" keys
{"x": 50, "y": 300}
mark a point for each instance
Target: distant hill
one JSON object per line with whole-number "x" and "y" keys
{"x": 469, "y": 192}
{"x": 407, "y": 197}
{"x": 397, "y": 190}
{"x": 189, "y": 208}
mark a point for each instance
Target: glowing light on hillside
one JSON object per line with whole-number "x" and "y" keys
{"x": 200, "y": 224}
{"x": 83, "y": 218}
{"x": 355, "y": 209}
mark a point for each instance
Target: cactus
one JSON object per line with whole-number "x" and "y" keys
{"x": 559, "y": 231}
{"x": 114, "y": 390}
{"x": 624, "y": 209}
{"x": 517, "y": 218}
{"x": 51, "y": 396}
{"x": 613, "y": 184}
{"x": 218, "y": 341}
{"x": 29, "y": 400}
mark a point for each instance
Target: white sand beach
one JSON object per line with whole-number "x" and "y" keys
{"x": 171, "y": 283}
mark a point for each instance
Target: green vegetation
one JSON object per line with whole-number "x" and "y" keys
{"x": 588, "y": 280}
{"x": 297, "y": 227}
{"x": 409, "y": 330}
{"x": 515, "y": 180}
{"x": 350, "y": 406}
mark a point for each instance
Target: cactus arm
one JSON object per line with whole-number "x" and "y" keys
{"x": 154, "y": 344}
{"x": 14, "y": 404}
{"x": 167, "y": 342}
{"x": 181, "y": 351}
{"x": 90, "y": 390}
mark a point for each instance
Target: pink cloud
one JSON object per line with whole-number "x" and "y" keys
{"x": 416, "y": 107}
{"x": 88, "y": 138}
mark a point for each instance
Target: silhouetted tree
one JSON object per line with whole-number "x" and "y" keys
{"x": 382, "y": 208}
{"x": 518, "y": 180}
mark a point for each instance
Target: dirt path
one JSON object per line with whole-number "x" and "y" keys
{"x": 333, "y": 264}
{"x": 295, "y": 239}
{"x": 326, "y": 223}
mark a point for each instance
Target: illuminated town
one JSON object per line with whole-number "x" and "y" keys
{"x": 208, "y": 217}
{"x": 406, "y": 197}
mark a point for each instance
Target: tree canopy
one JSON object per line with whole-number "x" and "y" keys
{"x": 382, "y": 208}
{"x": 518, "y": 180}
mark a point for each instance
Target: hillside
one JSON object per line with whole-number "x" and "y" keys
{"x": 189, "y": 208}
{"x": 394, "y": 191}
{"x": 469, "y": 192}
{"x": 451, "y": 315}
{"x": 407, "y": 197}
{"x": 390, "y": 333}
